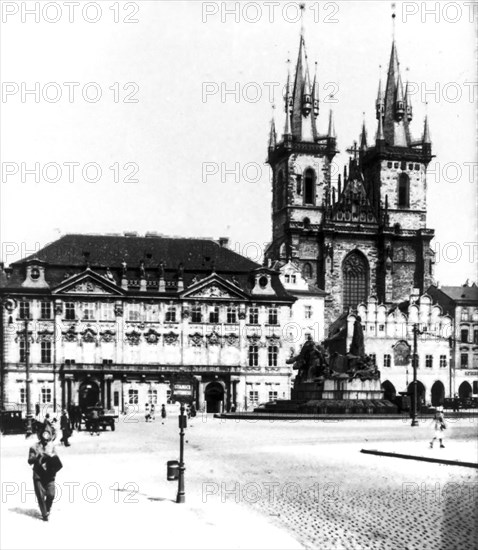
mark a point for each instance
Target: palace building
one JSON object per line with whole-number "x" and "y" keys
{"x": 111, "y": 319}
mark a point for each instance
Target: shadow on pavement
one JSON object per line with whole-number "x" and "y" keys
{"x": 32, "y": 512}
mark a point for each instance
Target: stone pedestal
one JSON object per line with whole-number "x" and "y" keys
{"x": 338, "y": 389}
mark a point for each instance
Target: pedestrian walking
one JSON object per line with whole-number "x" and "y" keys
{"x": 163, "y": 413}
{"x": 456, "y": 403}
{"x": 46, "y": 463}
{"x": 439, "y": 427}
{"x": 94, "y": 422}
{"x": 65, "y": 427}
{"x": 37, "y": 410}
{"x": 153, "y": 412}
{"x": 147, "y": 416}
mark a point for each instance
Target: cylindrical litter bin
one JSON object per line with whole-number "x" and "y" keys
{"x": 173, "y": 470}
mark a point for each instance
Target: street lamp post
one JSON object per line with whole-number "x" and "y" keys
{"x": 181, "y": 496}
{"x": 416, "y": 332}
{"x": 29, "y": 429}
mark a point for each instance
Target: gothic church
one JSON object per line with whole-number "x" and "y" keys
{"x": 367, "y": 235}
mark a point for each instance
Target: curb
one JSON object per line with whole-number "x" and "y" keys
{"x": 421, "y": 458}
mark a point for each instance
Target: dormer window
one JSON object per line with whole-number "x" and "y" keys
{"x": 35, "y": 273}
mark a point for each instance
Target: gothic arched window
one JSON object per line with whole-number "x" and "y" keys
{"x": 309, "y": 186}
{"x": 404, "y": 190}
{"x": 307, "y": 271}
{"x": 355, "y": 279}
{"x": 280, "y": 190}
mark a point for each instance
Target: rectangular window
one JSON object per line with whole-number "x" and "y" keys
{"x": 171, "y": 314}
{"x": 273, "y": 352}
{"x": 107, "y": 311}
{"x": 287, "y": 278}
{"x": 464, "y": 360}
{"x": 24, "y": 310}
{"x": 387, "y": 360}
{"x": 168, "y": 396}
{"x": 21, "y": 347}
{"x": 429, "y": 361}
{"x": 273, "y": 395}
{"x": 389, "y": 164}
{"x": 417, "y": 167}
{"x": 253, "y": 397}
{"x": 308, "y": 312}
{"x": 46, "y": 352}
{"x": 153, "y": 396}
{"x": 214, "y": 315}
{"x": 442, "y": 361}
{"x": 373, "y": 357}
{"x": 475, "y": 336}
{"x": 253, "y": 356}
{"x": 475, "y": 387}
{"x": 381, "y": 328}
{"x": 134, "y": 314}
{"x": 293, "y": 278}
{"x": 254, "y": 315}
{"x": 464, "y": 335}
{"x": 70, "y": 311}
{"x": 272, "y": 316}
{"x": 464, "y": 315}
{"x": 46, "y": 395}
{"x": 410, "y": 166}
{"x": 133, "y": 397}
{"x": 45, "y": 311}
{"x": 116, "y": 399}
{"x": 196, "y": 315}
{"x": 231, "y": 314}
{"x": 23, "y": 396}
{"x": 89, "y": 312}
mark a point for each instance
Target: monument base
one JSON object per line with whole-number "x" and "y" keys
{"x": 338, "y": 388}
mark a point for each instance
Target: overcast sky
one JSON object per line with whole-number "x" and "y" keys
{"x": 174, "y": 133}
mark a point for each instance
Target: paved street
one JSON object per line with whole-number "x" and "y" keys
{"x": 250, "y": 484}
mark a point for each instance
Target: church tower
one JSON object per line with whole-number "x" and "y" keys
{"x": 300, "y": 164}
{"x": 367, "y": 236}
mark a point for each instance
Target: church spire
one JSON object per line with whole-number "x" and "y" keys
{"x": 315, "y": 93}
{"x": 408, "y": 102}
{"x": 273, "y": 133}
{"x": 426, "y": 132}
{"x": 331, "y": 131}
{"x": 363, "y": 136}
{"x": 288, "y": 103}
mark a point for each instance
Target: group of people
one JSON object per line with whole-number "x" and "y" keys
{"x": 150, "y": 412}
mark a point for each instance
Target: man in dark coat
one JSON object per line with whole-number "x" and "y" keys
{"x": 65, "y": 428}
{"x": 46, "y": 464}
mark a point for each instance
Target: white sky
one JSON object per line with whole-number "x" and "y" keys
{"x": 173, "y": 130}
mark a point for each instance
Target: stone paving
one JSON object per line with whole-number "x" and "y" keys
{"x": 251, "y": 485}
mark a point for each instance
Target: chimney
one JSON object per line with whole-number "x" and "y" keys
{"x": 224, "y": 242}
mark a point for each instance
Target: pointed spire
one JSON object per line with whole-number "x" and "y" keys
{"x": 380, "y": 103}
{"x": 363, "y": 136}
{"x": 399, "y": 99}
{"x": 331, "y": 132}
{"x": 307, "y": 93}
{"x": 380, "y": 135}
{"x": 426, "y": 132}
{"x": 315, "y": 93}
{"x": 408, "y": 102}
{"x": 272, "y": 134}
{"x": 288, "y": 102}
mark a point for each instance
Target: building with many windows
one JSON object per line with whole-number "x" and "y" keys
{"x": 461, "y": 303}
{"x": 112, "y": 319}
{"x": 388, "y": 334}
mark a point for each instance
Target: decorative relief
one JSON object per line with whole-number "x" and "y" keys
{"x": 212, "y": 291}
{"x": 213, "y": 339}
{"x": 171, "y": 339}
{"x": 152, "y": 337}
{"x": 133, "y": 338}
{"x": 272, "y": 369}
{"x": 274, "y": 340}
{"x": 70, "y": 335}
{"x": 255, "y": 340}
{"x": 232, "y": 340}
{"x": 401, "y": 352}
{"x": 89, "y": 336}
{"x": 119, "y": 310}
{"x": 107, "y": 336}
{"x": 196, "y": 340}
{"x": 87, "y": 287}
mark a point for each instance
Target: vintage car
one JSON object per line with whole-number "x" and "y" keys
{"x": 106, "y": 418}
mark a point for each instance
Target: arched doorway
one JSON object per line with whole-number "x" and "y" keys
{"x": 464, "y": 391}
{"x": 389, "y": 391}
{"x": 89, "y": 394}
{"x": 438, "y": 393}
{"x": 420, "y": 392}
{"x": 214, "y": 397}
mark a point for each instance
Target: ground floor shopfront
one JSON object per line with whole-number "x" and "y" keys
{"x": 133, "y": 388}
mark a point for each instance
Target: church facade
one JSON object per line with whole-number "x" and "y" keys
{"x": 366, "y": 235}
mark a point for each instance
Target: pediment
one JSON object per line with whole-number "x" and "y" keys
{"x": 89, "y": 283}
{"x": 214, "y": 287}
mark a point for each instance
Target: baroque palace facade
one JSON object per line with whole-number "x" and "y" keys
{"x": 110, "y": 319}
